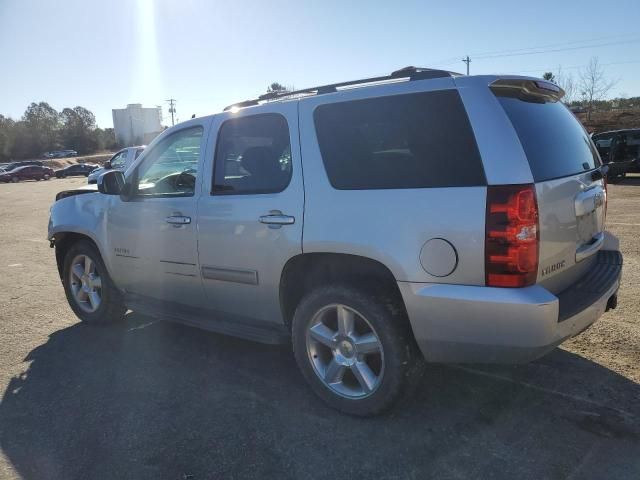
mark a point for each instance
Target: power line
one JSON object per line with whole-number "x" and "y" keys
{"x": 572, "y": 67}
{"x": 552, "y": 45}
{"x": 544, "y": 49}
{"x": 561, "y": 49}
{"x": 172, "y": 109}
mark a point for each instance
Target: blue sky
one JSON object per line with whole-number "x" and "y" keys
{"x": 208, "y": 54}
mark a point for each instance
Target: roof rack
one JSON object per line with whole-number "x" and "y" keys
{"x": 410, "y": 73}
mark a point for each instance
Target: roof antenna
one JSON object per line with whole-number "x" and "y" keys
{"x": 193, "y": 116}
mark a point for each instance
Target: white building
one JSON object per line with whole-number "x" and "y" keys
{"x": 136, "y": 125}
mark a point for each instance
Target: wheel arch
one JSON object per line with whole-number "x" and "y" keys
{"x": 307, "y": 271}
{"x": 64, "y": 240}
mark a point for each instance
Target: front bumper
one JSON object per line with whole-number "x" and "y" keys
{"x": 461, "y": 323}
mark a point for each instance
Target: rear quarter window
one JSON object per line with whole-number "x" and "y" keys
{"x": 401, "y": 141}
{"x": 554, "y": 141}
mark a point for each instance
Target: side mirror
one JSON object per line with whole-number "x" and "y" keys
{"x": 107, "y": 165}
{"x": 111, "y": 183}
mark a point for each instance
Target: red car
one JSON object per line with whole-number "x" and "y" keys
{"x": 29, "y": 172}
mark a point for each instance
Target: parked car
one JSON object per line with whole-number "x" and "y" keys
{"x": 28, "y": 172}
{"x": 23, "y": 163}
{"x": 120, "y": 161}
{"x": 60, "y": 154}
{"x": 75, "y": 170}
{"x": 620, "y": 149}
{"x": 407, "y": 217}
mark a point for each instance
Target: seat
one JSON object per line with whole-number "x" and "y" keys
{"x": 265, "y": 172}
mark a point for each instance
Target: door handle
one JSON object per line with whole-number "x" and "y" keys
{"x": 277, "y": 218}
{"x": 178, "y": 220}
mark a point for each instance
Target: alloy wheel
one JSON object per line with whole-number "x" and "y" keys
{"x": 85, "y": 283}
{"x": 345, "y": 351}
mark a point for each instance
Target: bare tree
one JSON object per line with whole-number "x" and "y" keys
{"x": 567, "y": 83}
{"x": 593, "y": 84}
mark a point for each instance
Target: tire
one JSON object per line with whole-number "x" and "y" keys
{"x": 396, "y": 366}
{"x": 110, "y": 307}
{"x": 15, "y": 179}
{"x": 46, "y": 177}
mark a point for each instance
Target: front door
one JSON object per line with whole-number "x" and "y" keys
{"x": 153, "y": 235}
{"x": 250, "y": 219}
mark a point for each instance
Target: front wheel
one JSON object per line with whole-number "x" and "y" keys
{"x": 90, "y": 291}
{"x": 354, "y": 348}
{"x": 15, "y": 179}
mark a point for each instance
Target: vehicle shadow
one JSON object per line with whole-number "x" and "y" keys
{"x": 146, "y": 399}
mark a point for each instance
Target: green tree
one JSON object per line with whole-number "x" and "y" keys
{"x": 7, "y": 137}
{"x": 276, "y": 87}
{"x": 549, "y": 76}
{"x": 77, "y": 130}
{"x": 43, "y": 121}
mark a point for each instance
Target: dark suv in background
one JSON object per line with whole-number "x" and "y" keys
{"x": 76, "y": 170}
{"x": 620, "y": 149}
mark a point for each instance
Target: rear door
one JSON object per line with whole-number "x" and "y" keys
{"x": 250, "y": 220}
{"x": 571, "y": 196}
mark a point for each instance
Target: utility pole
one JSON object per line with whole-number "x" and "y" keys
{"x": 172, "y": 109}
{"x": 467, "y": 60}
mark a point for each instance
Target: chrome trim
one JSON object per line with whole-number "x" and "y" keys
{"x": 249, "y": 277}
{"x": 591, "y": 248}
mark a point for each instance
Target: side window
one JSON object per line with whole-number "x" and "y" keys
{"x": 402, "y": 141}
{"x": 118, "y": 160}
{"x": 253, "y": 155}
{"x": 171, "y": 167}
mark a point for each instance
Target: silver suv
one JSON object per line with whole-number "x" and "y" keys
{"x": 372, "y": 224}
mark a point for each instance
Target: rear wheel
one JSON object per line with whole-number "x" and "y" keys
{"x": 355, "y": 349}
{"x": 90, "y": 291}
{"x": 46, "y": 177}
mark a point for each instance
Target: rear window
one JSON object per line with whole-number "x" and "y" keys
{"x": 402, "y": 141}
{"x": 553, "y": 139}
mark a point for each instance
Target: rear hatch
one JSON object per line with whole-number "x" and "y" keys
{"x": 570, "y": 191}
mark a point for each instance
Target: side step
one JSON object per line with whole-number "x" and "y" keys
{"x": 210, "y": 320}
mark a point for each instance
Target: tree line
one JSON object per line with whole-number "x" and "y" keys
{"x": 43, "y": 129}
{"x": 590, "y": 88}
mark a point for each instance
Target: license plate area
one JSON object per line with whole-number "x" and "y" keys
{"x": 589, "y": 206}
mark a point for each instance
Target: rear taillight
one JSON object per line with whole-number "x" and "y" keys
{"x": 511, "y": 244}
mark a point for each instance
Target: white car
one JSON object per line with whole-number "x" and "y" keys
{"x": 120, "y": 161}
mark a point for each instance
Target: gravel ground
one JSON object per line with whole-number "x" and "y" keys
{"x": 146, "y": 399}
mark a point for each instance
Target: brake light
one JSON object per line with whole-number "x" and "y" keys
{"x": 511, "y": 243}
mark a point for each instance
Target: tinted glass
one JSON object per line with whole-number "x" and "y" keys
{"x": 402, "y": 141}
{"x": 253, "y": 155}
{"x": 553, "y": 139}
{"x": 171, "y": 167}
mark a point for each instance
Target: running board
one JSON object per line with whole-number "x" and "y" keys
{"x": 210, "y": 320}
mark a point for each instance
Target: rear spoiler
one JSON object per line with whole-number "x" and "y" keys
{"x": 526, "y": 89}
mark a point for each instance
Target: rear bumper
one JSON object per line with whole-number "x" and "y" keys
{"x": 460, "y": 323}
